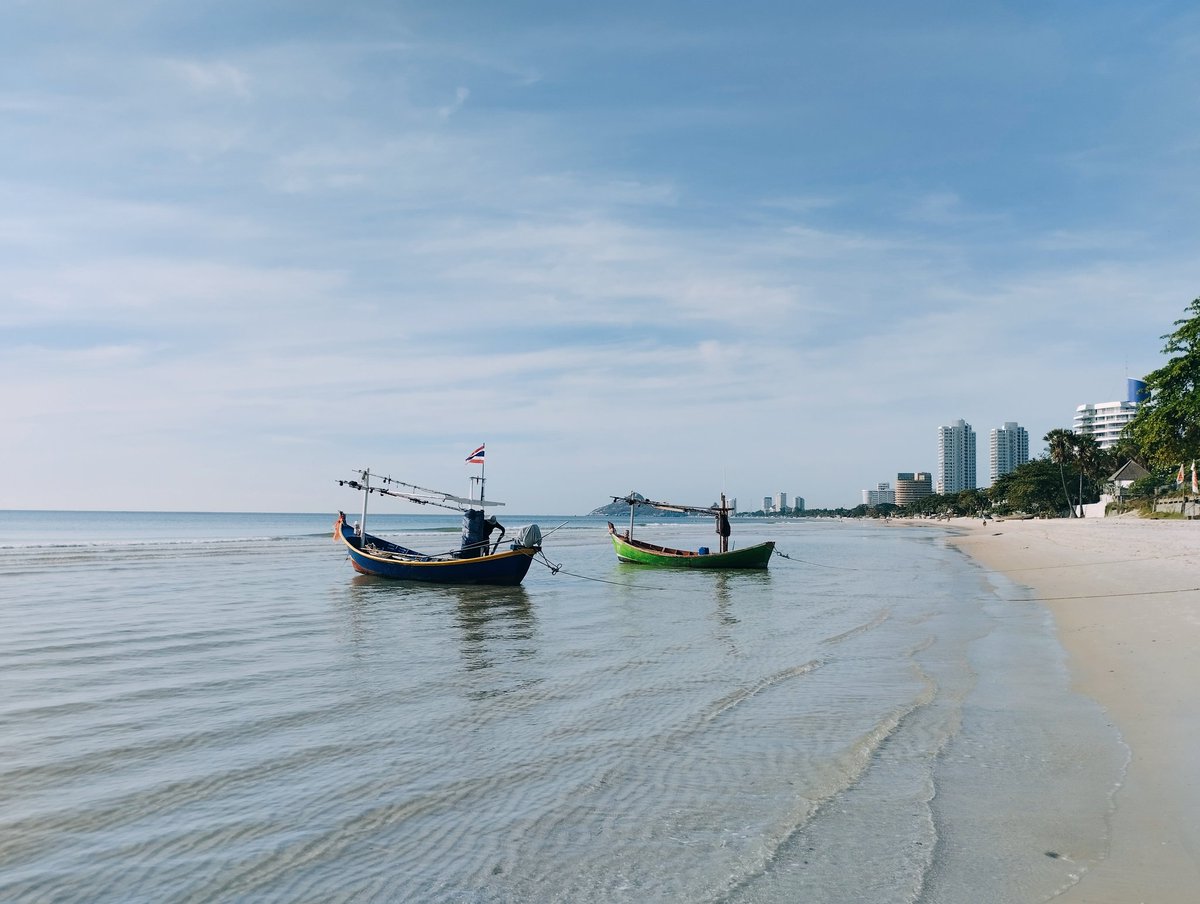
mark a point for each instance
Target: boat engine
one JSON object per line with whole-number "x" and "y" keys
{"x": 530, "y": 537}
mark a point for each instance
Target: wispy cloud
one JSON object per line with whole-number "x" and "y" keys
{"x": 460, "y": 97}
{"x": 212, "y": 78}
{"x": 796, "y": 248}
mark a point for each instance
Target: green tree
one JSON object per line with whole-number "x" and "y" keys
{"x": 1032, "y": 488}
{"x": 969, "y": 502}
{"x": 1060, "y": 444}
{"x": 1091, "y": 460}
{"x": 1166, "y": 428}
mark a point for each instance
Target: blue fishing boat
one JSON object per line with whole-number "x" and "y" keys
{"x": 374, "y": 555}
{"x": 477, "y": 560}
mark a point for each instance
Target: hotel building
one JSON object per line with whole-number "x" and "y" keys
{"x": 1009, "y": 448}
{"x": 1106, "y": 420}
{"x": 911, "y": 486}
{"x": 956, "y": 458}
{"x": 883, "y": 493}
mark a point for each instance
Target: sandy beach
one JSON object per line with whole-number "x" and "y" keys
{"x": 1125, "y": 595}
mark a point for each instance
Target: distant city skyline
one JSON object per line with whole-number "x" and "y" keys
{"x": 1009, "y": 445}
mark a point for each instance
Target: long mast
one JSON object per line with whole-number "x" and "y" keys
{"x": 362, "y": 524}
{"x": 480, "y": 478}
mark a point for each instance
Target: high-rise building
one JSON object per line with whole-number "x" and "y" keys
{"x": 780, "y": 502}
{"x": 768, "y": 504}
{"x": 1106, "y": 420}
{"x": 882, "y": 493}
{"x": 1008, "y": 447}
{"x": 911, "y": 486}
{"x": 797, "y": 503}
{"x": 956, "y": 458}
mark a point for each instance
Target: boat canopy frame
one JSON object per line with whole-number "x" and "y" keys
{"x": 720, "y": 512}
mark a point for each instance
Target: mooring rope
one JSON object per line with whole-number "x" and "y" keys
{"x": 779, "y": 552}
{"x": 1100, "y": 596}
{"x": 585, "y": 577}
{"x": 557, "y": 569}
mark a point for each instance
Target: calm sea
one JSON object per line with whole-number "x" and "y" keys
{"x": 212, "y": 708}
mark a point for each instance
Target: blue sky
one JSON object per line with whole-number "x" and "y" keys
{"x": 248, "y": 247}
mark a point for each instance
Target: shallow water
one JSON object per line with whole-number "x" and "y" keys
{"x": 192, "y": 715}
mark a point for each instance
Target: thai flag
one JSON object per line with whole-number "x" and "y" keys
{"x": 476, "y": 457}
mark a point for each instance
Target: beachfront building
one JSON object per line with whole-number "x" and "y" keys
{"x": 768, "y": 504}
{"x": 912, "y": 485}
{"x": 797, "y": 504}
{"x": 1106, "y": 420}
{"x": 883, "y": 493}
{"x": 956, "y": 458}
{"x": 1008, "y": 448}
{"x": 781, "y": 502}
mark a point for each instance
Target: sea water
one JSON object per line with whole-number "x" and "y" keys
{"x": 201, "y": 707}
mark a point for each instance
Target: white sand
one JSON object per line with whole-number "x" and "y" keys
{"x": 1125, "y": 594}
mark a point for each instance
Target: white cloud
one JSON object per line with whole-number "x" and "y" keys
{"x": 302, "y": 254}
{"x": 215, "y": 77}
{"x": 460, "y": 97}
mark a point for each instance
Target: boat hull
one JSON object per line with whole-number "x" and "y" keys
{"x": 384, "y": 559}
{"x": 639, "y": 553}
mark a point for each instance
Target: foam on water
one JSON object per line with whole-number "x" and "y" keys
{"x": 874, "y": 719}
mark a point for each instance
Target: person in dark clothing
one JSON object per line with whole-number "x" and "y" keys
{"x": 489, "y": 526}
{"x": 476, "y": 534}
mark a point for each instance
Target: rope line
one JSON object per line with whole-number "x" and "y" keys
{"x": 1181, "y": 555}
{"x": 616, "y": 583}
{"x": 780, "y": 552}
{"x": 1100, "y": 596}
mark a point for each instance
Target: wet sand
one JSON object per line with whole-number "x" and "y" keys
{"x": 1125, "y": 595}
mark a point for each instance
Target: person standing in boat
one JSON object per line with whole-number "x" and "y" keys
{"x": 723, "y": 529}
{"x": 476, "y": 533}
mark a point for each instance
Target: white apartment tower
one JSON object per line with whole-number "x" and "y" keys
{"x": 1009, "y": 448}
{"x": 1106, "y": 420}
{"x": 780, "y": 502}
{"x": 883, "y": 493}
{"x": 956, "y": 458}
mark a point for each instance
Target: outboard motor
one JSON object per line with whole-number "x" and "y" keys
{"x": 530, "y": 537}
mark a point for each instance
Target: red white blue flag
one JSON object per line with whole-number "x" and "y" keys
{"x": 476, "y": 457}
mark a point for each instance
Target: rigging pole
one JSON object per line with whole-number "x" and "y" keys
{"x": 362, "y": 525}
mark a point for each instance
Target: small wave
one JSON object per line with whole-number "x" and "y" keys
{"x": 743, "y": 694}
{"x": 90, "y": 545}
{"x": 880, "y": 617}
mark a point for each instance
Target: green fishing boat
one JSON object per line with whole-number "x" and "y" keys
{"x": 640, "y": 552}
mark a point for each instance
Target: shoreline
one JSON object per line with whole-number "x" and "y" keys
{"x": 1125, "y": 597}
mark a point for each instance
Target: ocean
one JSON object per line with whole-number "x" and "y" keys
{"x": 217, "y": 708}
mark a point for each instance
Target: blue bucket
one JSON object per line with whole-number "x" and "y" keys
{"x": 703, "y": 550}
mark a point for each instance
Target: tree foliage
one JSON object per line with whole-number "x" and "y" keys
{"x": 1166, "y": 428}
{"x": 1060, "y": 444}
{"x": 1034, "y": 488}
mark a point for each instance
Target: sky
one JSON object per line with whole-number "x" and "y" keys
{"x": 249, "y": 248}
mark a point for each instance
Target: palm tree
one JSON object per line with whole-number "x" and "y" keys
{"x": 1061, "y": 445}
{"x": 1090, "y": 459}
